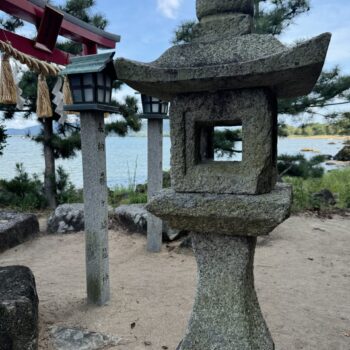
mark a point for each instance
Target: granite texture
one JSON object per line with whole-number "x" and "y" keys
{"x": 214, "y": 7}
{"x": 65, "y": 338}
{"x": 67, "y": 218}
{"x": 16, "y": 228}
{"x": 289, "y": 72}
{"x": 235, "y": 215}
{"x": 134, "y": 218}
{"x": 154, "y": 180}
{"x": 18, "y": 309}
{"x": 191, "y": 171}
{"x": 225, "y": 55}
{"x": 226, "y": 314}
{"x": 93, "y": 147}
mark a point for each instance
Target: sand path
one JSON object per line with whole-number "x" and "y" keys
{"x": 302, "y": 278}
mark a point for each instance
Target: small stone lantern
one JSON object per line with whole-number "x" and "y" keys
{"x": 153, "y": 107}
{"x": 227, "y": 76}
{"x": 155, "y": 111}
{"x": 91, "y": 79}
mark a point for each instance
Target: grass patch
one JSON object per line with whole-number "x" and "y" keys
{"x": 337, "y": 181}
{"x": 125, "y": 195}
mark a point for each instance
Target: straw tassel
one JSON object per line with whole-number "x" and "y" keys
{"x": 43, "y": 101}
{"x": 67, "y": 94}
{"x": 8, "y": 89}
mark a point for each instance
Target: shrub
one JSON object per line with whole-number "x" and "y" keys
{"x": 22, "y": 192}
{"x": 337, "y": 181}
{"x": 66, "y": 191}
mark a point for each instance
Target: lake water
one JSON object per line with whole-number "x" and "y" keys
{"x": 126, "y": 156}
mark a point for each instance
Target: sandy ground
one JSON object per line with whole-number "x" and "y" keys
{"x": 302, "y": 278}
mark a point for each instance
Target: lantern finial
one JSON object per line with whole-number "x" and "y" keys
{"x": 216, "y": 7}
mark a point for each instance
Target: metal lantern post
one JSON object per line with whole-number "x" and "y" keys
{"x": 154, "y": 110}
{"x": 90, "y": 79}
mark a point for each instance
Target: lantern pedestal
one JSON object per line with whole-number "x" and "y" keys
{"x": 226, "y": 313}
{"x": 95, "y": 206}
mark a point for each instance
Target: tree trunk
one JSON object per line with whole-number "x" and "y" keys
{"x": 49, "y": 178}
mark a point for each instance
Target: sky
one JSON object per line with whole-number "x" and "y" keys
{"x": 147, "y": 26}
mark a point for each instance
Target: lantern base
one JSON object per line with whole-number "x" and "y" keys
{"x": 90, "y": 107}
{"x": 226, "y": 314}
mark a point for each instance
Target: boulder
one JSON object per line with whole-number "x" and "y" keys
{"x": 324, "y": 197}
{"x": 133, "y": 217}
{"x": 16, "y": 228}
{"x": 344, "y": 154}
{"x": 64, "y": 338}
{"x": 67, "y": 218}
{"x": 18, "y": 309}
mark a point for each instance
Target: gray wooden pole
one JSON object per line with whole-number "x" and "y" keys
{"x": 95, "y": 206}
{"x": 155, "y": 181}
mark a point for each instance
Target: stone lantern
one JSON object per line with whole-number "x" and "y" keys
{"x": 227, "y": 76}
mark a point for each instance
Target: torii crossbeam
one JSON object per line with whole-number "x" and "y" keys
{"x": 39, "y": 13}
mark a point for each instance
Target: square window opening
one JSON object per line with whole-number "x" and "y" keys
{"x": 219, "y": 141}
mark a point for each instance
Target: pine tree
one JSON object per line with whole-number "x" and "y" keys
{"x": 274, "y": 17}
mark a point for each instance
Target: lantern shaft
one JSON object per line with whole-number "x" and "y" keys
{"x": 95, "y": 206}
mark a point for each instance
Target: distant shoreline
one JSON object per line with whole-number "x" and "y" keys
{"x": 320, "y": 137}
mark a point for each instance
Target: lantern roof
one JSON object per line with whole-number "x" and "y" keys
{"x": 91, "y": 64}
{"x": 225, "y": 54}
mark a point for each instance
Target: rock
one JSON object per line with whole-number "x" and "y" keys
{"x": 186, "y": 242}
{"x": 16, "y": 228}
{"x": 223, "y": 213}
{"x": 133, "y": 218}
{"x": 68, "y": 218}
{"x": 324, "y": 197}
{"x": 64, "y": 338}
{"x": 18, "y": 309}
{"x": 344, "y": 154}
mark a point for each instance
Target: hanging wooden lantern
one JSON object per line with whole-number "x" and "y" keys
{"x": 91, "y": 79}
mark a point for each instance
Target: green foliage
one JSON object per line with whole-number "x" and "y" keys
{"x": 82, "y": 9}
{"x": 339, "y": 126}
{"x": 22, "y": 192}
{"x": 66, "y": 191}
{"x": 299, "y": 166}
{"x": 337, "y": 181}
{"x": 3, "y": 138}
{"x": 332, "y": 88}
{"x": 274, "y": 16}
{"x": 64, "y": 146}
{"x": 126, "y": 195}
{"x": 26, "y": 192}
{"x": 11, "y": 23}
{"x": 128, "y": 109}
{"x": 224, "y": 142}
{"x": 184, "y": 33}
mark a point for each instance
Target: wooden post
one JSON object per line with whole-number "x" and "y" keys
{"x": 95, "y": 206}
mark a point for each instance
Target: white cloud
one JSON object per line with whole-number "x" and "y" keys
{"x": 168, "y": 7}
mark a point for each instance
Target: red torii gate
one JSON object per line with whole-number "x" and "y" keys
{"x": 51, "y": 22}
